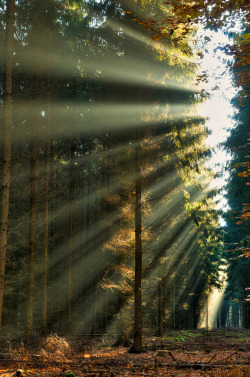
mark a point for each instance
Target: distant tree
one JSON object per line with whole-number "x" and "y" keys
{"x": 103, "y": 196}
{"x": 46, "y": 204}
{"x": 237, "y": 217}
{"x": 34, "y": 121}
{"x": 71, "y": 235}
{"x": 137, "y": 345}
{"x": 5, "y": 143}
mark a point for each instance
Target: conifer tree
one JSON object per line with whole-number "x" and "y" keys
{"x": 6, "y": 143}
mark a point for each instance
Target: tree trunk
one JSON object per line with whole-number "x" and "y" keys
{"x": 6, "y": 143}
{"x": 54, "y": 299}
{"x": 32, "y": 236}
{"x": 71, "y": 235}
{"x": 137, "y": 346}
{"x": 160, "y": 308}
{"x": 46, "y": 217}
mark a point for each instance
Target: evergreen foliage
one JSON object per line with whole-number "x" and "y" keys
{"x": 237, "y": 218}
{"x": 104, "y": 122}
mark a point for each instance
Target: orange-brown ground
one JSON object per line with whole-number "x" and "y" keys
{"x": 183, "y": 353}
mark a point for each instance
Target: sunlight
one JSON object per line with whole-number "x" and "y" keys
{"x": 103, "y": 116}
{"x": 127, "y": 70}
{"x": 107, "y": 211}
{"x": 174, "y": 259}
{"x": 147, "y": 40}
{"x": 212, "y": 304}
{"x": 217, "y": 109}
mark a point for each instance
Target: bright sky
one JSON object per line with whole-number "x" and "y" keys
{"x": 218, "y": 107}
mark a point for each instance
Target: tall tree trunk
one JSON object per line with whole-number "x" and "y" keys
{"x": 6, "y": 143}
{"x": 37, "y": 27}
{"x": 54, "y": 306}
{"x": 137, "y": 346}
{"x": 71, "y": 235}
{"x": 46, "y": 216}
{"x": 32, "y": 235}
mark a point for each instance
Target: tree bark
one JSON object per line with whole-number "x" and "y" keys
{"x": 46, "y": 216}
{"x": 71, "y": 235}
{"x": 137, "y": 346}
{"x": 160, "y": 308}
{"x": 6, "y": 144}
{"x": 32, "y": 236}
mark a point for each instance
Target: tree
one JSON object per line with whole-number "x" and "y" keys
{"x": 106, "y": 193}
{"x": 6, "y": 143}
{"x": 71, "y": 235}
{"x": 137, "y": 345}
{"x": 46, "y": 204}
{"x": 237, "y": 217}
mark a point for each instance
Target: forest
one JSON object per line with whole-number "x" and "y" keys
{"x": 111, "y": 224}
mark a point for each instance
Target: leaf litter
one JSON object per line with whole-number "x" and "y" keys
{"x": 186, "y": 353}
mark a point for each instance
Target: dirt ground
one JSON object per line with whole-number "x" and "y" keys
{"x": 181, "y": 353}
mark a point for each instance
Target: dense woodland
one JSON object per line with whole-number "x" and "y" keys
{"x": 108, "y": 219}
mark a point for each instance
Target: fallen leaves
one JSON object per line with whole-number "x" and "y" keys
{"x": 199, "y": 355}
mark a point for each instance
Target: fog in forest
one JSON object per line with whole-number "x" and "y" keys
{"x": 104, "y": 152}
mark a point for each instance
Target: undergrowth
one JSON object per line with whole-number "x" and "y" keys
{"x": 56, "y": 348}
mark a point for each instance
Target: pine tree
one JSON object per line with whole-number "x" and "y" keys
{"x": 6, "y": 143}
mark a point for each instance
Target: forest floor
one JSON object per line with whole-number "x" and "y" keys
{"x": 180, "y": 353}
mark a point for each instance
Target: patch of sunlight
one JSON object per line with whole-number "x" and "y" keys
{"x": 211, "y": 305}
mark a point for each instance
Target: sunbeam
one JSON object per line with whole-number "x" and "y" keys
{"x": 107, "y": 220}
